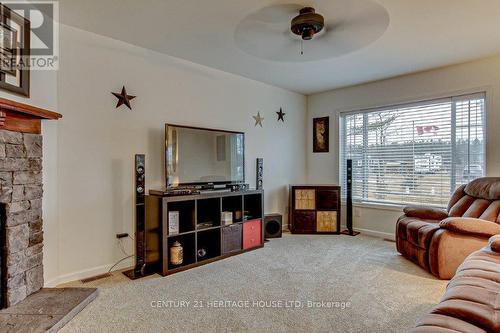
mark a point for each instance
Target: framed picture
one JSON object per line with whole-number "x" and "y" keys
{"x": 14, "y": 52}
{"x": 8, "y": 38}
{"x": 321, "y": 135}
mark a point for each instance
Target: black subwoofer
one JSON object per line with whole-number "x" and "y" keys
{"x": 272, "y": 225}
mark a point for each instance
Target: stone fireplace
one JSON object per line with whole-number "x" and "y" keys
{"x": 21, "y": 194}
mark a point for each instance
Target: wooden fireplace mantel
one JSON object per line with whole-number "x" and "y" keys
{"x": 19, "y": 117}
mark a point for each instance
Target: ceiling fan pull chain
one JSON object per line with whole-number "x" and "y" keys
{"x": 301, "y": 47}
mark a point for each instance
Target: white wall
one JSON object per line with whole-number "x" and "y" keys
{"x": 482, "y": 75}
{"x": 97, "y": 143}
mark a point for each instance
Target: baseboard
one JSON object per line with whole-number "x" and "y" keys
{"x": 87, "y": 273}
{"x": 379, "y": 234}
{"x": 374, "y": 233}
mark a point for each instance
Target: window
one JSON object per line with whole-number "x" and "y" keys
{"x": 416, "y": 153}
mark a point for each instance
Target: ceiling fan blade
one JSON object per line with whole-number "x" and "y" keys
{"x": 354, "y": 31}
{"x": 276, "y": 14}
{"x": 269, "y": 41}
{"x": 350, "y": 25}
{"x": 368, "y": 18}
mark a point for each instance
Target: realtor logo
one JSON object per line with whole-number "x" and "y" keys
{"x": 43, "y": 34}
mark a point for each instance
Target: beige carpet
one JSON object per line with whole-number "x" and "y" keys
{"x": 381, "y": 291}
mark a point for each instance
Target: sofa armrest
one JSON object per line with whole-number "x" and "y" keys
{"x": 472, "y": 226}
{"x": 426, "y": 213}
{"x": 494, "y": 243}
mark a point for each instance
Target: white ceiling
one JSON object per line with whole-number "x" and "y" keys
{"x": 349, "y": 26}
{"x": 422, "y": 34}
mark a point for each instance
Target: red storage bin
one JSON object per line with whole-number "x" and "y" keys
{"x": 252, "y": 234}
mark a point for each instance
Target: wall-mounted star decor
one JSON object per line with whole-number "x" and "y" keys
{"x": 258, "y": 119}
{"x": 281, "y": 115}
{"x": 123, "y": 98}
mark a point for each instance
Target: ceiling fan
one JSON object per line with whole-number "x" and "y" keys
{"x": 307, "y": 23}
{"x": 331, "y": 29}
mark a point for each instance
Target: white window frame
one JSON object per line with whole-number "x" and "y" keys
{"x": 484, "y": 93}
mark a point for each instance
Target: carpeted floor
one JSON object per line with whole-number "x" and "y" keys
{"x": 380, "y": 291}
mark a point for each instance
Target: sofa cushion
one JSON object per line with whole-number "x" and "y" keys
{"x": 492, "y": 213}
{"x": 436, "y": 323}
{"x": 484, "y": 188}
{"x": 461, "y": 206}
{"x": 468, "y": 206}
{"x": 417, "y": 231}
{"x": 459, "y": 193}
{"x": 473, "y": 226}
{"x": 421, "y": 212}
{"x": 472, "y": 299}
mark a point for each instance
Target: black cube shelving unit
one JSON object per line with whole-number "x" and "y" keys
{"x": 200, "y": 227}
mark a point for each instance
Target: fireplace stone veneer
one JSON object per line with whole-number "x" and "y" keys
{"x": 21, "y": 199}
{"x": 21, "y": 234}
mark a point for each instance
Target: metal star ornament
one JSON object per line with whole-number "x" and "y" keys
{"x": 123, "y": 98}
{"x": 258, "y": 119}
{"x": 281, "y": 115}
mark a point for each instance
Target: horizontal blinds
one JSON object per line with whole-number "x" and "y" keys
{"x": 415, "y": 153}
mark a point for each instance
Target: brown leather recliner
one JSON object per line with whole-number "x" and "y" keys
{"x": 471, "y": 302}
{"x": 439, "y": 240}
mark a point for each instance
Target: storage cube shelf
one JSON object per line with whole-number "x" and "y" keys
{"x": 326, "y": 221}
{"x": 233, "y": 204}
{"x": 208, "y": 212}
{"x": 201, "y": 233}
{"x": 208, "y": 244}
{"x": 314, "y": 209}
{"x": 232, "y": 238}
{"x": 252, "y": 234}
{"x": 188, "y": 249}
{"x": 186, "y": 214}
{"x": 305, "y": 199}
{"x": 252, "y": 206}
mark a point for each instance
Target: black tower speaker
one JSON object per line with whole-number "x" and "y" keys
{"x": 259, "y": 174}
{"x": 140, "y": 218}
{"x": 272, "y": 225}
{"x": 349, "y": 230}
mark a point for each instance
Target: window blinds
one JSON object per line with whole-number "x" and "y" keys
{"x": 414, "y": 153}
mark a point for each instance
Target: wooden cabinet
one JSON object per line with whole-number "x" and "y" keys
{"x": 314, "y": 209}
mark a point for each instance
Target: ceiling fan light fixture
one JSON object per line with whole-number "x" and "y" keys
{"x": 307, "y": 23}
{"x": 308, "y": 34}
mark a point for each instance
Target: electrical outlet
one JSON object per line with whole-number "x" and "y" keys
{"x": 122, "y": 235}
{"x": 357, "y": 212}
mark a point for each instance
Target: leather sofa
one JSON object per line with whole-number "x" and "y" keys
{"x": 471, "y": 303}
{"x": 439, "y": 240}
